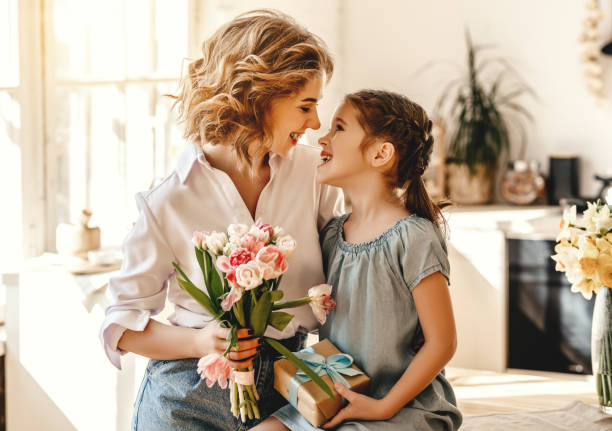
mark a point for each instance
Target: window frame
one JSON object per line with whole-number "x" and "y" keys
{"x": 35, "y": 91}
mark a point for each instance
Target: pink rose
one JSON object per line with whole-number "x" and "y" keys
{"x": 232, "y": 297}
{"x": 252, "y": 243}
{"x": 214, "y": 368}
{"x": 249, "y": 275}
{"x": 223, "y": 264}
{"x": 321, "y": 301}
{"x": 240, "y": 256}
{"x": 273, "y": 261}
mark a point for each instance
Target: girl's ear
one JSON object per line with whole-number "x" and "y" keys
{"x": 382, "y": 153}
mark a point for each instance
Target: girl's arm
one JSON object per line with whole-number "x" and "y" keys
{"x": 160, "y": 341}
{"x": 433, "y": 304}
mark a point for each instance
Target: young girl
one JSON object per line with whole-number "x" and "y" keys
{"x": 245, "y": 103}
{"x": 387, "y": 263}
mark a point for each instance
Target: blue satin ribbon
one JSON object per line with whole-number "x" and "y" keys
{"x": 335, "y": 366}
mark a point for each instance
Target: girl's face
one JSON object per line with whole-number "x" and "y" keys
{"x": 342, "y": 161}
{"x": 289, "y": 117}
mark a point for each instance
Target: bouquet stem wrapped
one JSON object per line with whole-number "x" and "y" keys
{"x": 242, "y": 270}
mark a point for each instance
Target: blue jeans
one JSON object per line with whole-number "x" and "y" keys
{"x": 173, "y": 397}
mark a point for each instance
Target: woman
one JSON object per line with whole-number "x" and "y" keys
{"x": 245, "y": 104}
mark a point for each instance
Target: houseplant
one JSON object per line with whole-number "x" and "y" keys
{"x": 480, "y": 116}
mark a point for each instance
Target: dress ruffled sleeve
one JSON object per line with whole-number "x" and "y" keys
{"x": 423, "y": 252}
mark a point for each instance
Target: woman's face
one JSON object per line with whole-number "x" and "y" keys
{"x": 341, "y": 158}
{"x": 289, "y": 117}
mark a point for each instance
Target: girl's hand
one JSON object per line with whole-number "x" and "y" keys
{"x": 213, "y": 339}
{"x": 359, "y": 407}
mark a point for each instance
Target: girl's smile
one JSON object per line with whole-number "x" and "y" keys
{"x": 341, "y": 156}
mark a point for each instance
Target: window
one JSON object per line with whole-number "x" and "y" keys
{"x": 109, "y": 128}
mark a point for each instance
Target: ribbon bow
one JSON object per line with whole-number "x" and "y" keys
{"x": 334, "y": 365}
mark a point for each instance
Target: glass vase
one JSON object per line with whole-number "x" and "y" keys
{"x": 601, "y": 348}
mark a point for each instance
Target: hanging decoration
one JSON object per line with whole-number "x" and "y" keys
{"x": 591, "y": 50}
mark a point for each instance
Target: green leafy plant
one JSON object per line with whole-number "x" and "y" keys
{"x": 481, "y": 115}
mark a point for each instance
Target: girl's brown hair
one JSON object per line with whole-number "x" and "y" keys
{"x": 393, "y": 118}
{"x": 246, "y": 64}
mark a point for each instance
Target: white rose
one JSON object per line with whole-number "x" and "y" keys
{"x": 231, "y": 245}
{"x": 216, "y": 241}
{"x": 259, "y": 234}
{"x": 286, "y": 244}
{"x": 249, "y": 275}
{"x": 235, "y": 231}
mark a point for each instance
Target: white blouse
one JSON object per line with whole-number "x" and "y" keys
{"x": 196, "y": 196}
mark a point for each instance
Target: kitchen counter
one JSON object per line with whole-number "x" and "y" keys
{"x": 477, "y": 252}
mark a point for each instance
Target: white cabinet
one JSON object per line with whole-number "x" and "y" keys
{"x": 479, "y": 275}
{"x": 58, "y": 377}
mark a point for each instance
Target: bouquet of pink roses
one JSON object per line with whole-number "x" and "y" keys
{"x": 243, "y": 292}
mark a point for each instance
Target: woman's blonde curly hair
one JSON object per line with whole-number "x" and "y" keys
{"x": 246, "y": 64}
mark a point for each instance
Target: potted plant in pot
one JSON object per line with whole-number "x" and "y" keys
{"x": 480, "y": 116}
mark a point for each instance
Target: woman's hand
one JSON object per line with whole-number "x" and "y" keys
{"x": 214, "y": 339}
{"x": 359, "y": 407}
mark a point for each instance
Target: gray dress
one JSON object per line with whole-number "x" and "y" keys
{"x": 376, "y": 321}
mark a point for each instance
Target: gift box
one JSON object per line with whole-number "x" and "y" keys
{"x": 312, "y": 402}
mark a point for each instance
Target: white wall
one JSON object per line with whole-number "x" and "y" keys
{"x": 388, "y": 42}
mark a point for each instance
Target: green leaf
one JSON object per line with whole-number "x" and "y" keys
{"x": 199, "y": 296}
{"x": 260, "y": 313}
{"x": 239, "y": 312}
{"x": 205, "y": 267}
{"x": 233, "y": 340}
{"x": 301, "y": 365}
{"x": 216, "y": 285}
{"x": 276, "y": 295}
{"x": 279, "y": 319}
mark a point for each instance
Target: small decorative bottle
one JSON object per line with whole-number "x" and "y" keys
{"x": 77, "y": 240}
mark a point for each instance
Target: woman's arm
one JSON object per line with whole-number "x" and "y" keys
{"x": 433, "y": 304}
{"x": 160, "y": 341}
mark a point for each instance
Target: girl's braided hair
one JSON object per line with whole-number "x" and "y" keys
{"x": 394, "y": 118}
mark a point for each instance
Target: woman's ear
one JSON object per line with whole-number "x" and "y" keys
{"x": 381, "y": 154}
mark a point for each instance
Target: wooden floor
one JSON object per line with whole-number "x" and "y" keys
{"x": 487, "y": 392}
